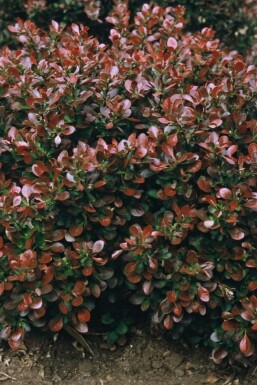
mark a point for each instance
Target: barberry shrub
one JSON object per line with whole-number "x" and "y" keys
{"x": 128, "y": 171}
{"x": 231, "y": 19}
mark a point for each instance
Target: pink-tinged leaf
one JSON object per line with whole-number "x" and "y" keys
{"x": 147, "y": 287}
{"x": 70, "y": 177}
{"x": 128, "y": 85}
{"x": 12, "y": 133}
{"x": 215, "y": 123}
{"x": 69, "y": 130}
{"x": 81, "y": 327}
{"x": 208, "y": 224}
{"x": 225, "y": 193}
{"x": 246, "y": 316}
{"x": 16, "y": 201}
{"x": 98, "y": 247}
{"x": 57, "y": 140}
{"x": 168, "y": 322}
{"x": 114, "y": 71}
{"x": 218, "y": 355}
{"x": 245, "y": 345}
{"x": 37, "y": 303}
{"x": 75, "y": 28}
{"x": 55, "y": 26}
{"x": 203, "y": 294}
{"x": 237, "y": 234}
{"x": 172, "y": 43}
{"x": 116, "y": 254}
{"x": 26, "y": 191}
{"x": 5, "y": 332}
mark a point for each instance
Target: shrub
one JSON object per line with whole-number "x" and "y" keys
{"x": 128, "y": 171}
{"x": 231, "y": 19}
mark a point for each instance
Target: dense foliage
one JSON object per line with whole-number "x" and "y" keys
{"x": 231, "y": 19}
{"x": 128, "y": 172}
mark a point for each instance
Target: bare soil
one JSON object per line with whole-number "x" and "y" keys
{"x": 143, "y": 360}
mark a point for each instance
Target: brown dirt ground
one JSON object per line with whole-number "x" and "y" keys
{"x": 144, "y": 360}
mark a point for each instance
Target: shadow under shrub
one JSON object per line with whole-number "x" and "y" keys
{"x": 128, "y": 171}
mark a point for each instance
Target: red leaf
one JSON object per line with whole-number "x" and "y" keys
{"x": 56, "y": 324}
{"x": 79, "y": 288}
{"x": 76, "y": 230}
{"x": 203, "y": 294}
{"x": 84, "y": 315}
{"x": 252, "y": 286}
{"x": 230, "y": 325}
{"x": 171, "y": 296}
{"x": 39, "y": 168}
{"x": 77, "y": 301}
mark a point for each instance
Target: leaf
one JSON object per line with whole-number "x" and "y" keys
{"x": 112, "y": 337}
{"x": 166, "y": 306}
{"x": 218, "y": 355}
{"x": 171, "y": 296}
{"x": 76, "y": 230}
{"x": 172, "y": 43}
{"x": 208, "y": 224}
{"x": 39, "y": 168}
{"x": 122, "y": 328}
{"x": 84, "y": 315}
{"x": 237, "y": 234}
{"x": 168, "y": 322}
{"x": 98, "y": 247}
{"x": 203, "y": 294}
{"x": 56, "y": 324}
{"x": 245, "y": 345}
{"x": 211, "y": 379}
{"x": 230, "y": 325}
{"x": 81, "y": 327}
{"x": 225, "y": 193}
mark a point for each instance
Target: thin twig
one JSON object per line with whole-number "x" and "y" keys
{"x": 78, "y": 337}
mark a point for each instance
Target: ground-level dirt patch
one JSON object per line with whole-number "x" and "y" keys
{"x": 144, "y": 360}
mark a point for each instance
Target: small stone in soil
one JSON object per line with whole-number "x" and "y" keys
{"x": 157, "y": 364}
{"x": 179, "y": 372}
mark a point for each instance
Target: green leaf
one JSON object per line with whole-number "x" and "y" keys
{"x": 112, "y": 337}
{"x": 122, "y": 328}
{"x": 107, "y": 319}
